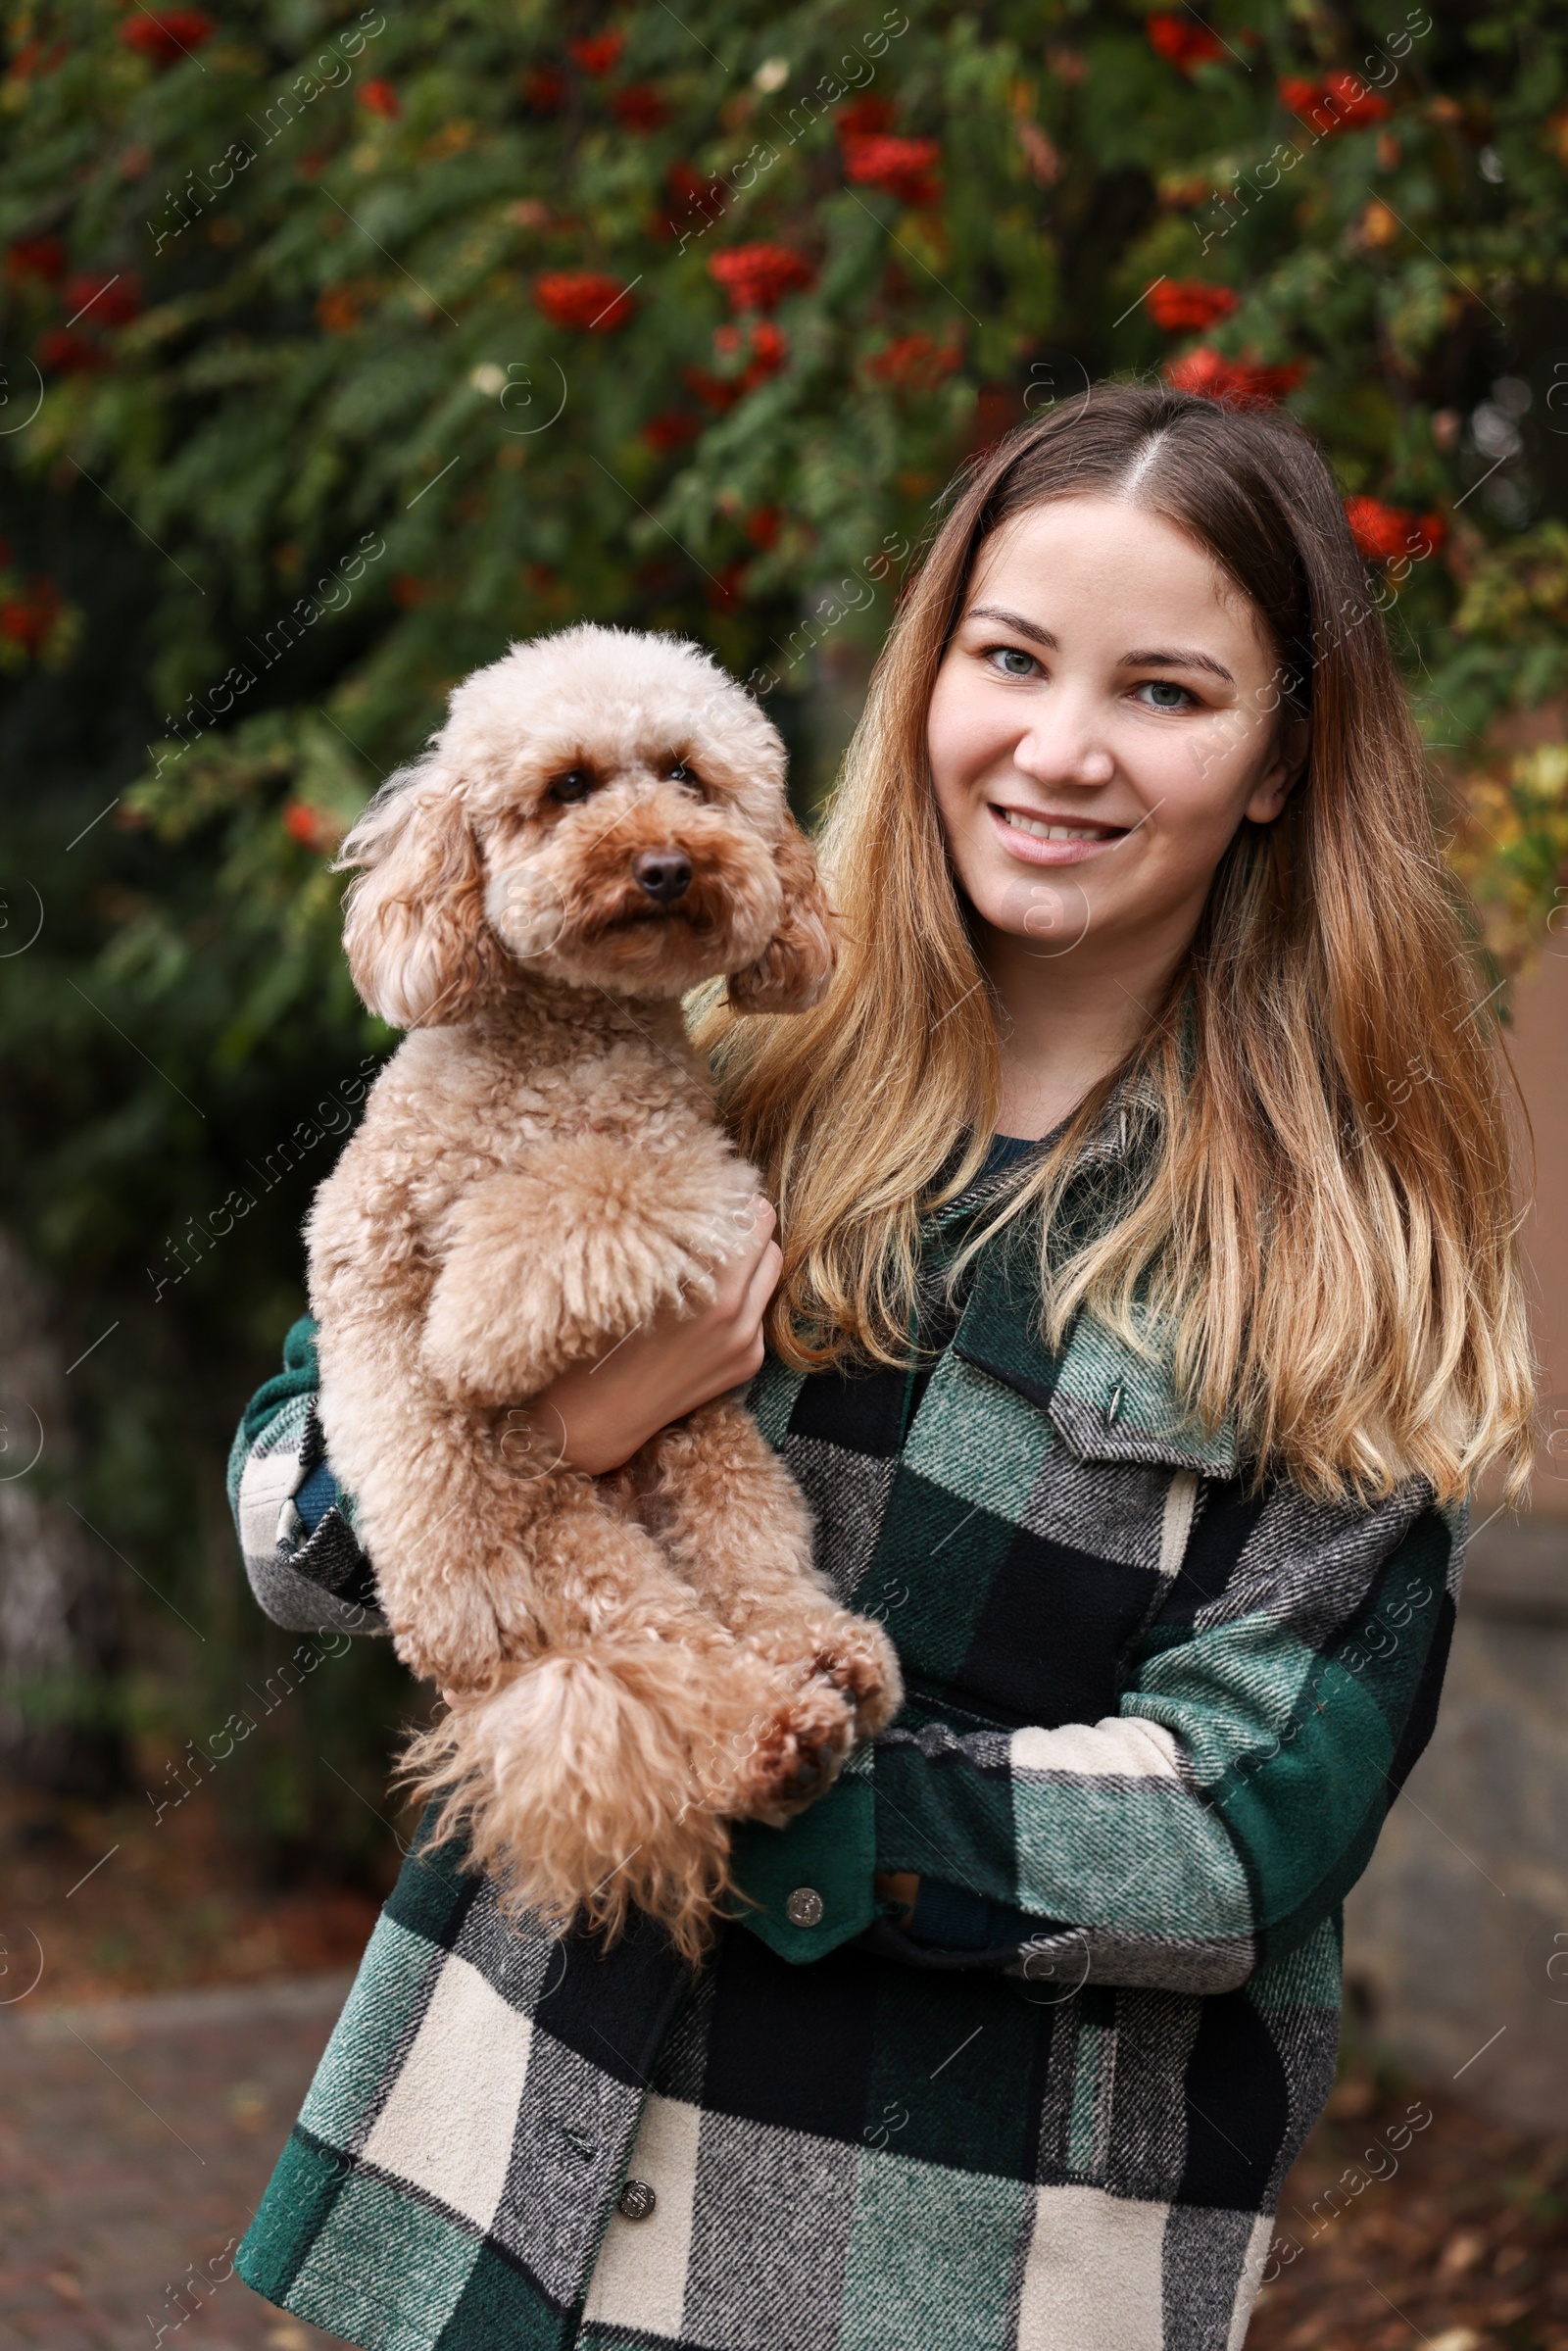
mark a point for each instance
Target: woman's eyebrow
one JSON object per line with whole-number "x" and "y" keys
{"x": 1177, "y": 660}
{"x": 1014, "y": 620}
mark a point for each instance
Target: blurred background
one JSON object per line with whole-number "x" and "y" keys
{"x": 341, "y": 346}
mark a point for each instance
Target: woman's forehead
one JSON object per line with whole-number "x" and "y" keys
{"x": 1091, "y": 568}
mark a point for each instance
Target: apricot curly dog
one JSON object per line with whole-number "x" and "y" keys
{"x": 630, "y": 1662}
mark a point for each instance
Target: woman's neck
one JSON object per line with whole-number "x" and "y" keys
{"x": 1063, "y": 1029}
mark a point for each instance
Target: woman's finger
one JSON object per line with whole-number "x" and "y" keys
{"x": 734, "y": 1274}
{"x": 761, "y": 1284}
{"x": 758, "y": 1234}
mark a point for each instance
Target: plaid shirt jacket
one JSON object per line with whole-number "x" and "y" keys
{"x": 1153, "y": 1723}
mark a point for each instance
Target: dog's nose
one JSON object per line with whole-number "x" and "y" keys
{"x": 664, "y": 874}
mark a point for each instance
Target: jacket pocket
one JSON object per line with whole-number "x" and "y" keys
{"x": 1078, "y": 2095}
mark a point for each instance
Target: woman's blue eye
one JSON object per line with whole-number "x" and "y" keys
{"x": 1164, "y": 694}
{"x": 1013, "y": 661}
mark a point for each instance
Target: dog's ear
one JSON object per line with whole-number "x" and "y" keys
{"x": 414, "y": 931}
{"x": 794, "y": 968}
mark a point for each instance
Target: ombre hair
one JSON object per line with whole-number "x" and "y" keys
{"x": 1325, "y": 1226}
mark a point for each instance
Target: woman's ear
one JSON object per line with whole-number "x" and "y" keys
{"x": 1283, "y": 773}
{"x": 414, "y": 931}
{"x": 794, "y": 968}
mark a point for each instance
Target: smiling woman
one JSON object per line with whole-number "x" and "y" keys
{"x": 1056, "y": 742}
{"x": 1124, "y": 1423}
{"x": 1144, "y": 622}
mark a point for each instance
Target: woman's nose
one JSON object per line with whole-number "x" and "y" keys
{"x": 1063, "y": 752}
{"x": 1065, "y": 739}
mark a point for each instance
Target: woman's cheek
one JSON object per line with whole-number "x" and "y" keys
{"x": 944, "y": 737}
{"x": 959, "y": 815}
{"x": 1213, "y": 753}
{"x": 961, "y": 753}
{"x": 965, "y": 733}
{"x": 1198, "y": 826}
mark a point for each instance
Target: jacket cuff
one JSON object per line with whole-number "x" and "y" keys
{"x": 812, "y": 1878}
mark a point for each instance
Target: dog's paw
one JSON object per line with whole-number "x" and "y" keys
{"x": 792, "y": 1754}
{"x": 858, "y": 1658}
{"x": 850, "y": 1652}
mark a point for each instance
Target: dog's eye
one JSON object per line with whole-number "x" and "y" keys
{"x": 576, "y": 784}
{"x": 682, "y": 772}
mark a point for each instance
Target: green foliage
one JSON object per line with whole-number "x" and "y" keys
{"x": 330, "y": 409}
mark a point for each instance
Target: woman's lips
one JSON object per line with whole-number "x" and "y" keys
{"x": 1033, "y": 850}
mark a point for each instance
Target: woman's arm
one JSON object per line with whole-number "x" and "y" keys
{"x": 1270, "y": 1716}
{"x": 296, "y": 1526}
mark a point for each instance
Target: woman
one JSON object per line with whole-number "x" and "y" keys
{"x": 1145, "y": 1309}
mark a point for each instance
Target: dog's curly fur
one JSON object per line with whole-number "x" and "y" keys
{"x": 630, "y": 1662}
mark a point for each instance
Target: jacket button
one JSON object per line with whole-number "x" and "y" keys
{"x": 804, "y": 1907}
{"x": 636, "y": 2200}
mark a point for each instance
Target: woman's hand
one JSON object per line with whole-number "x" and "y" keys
{"x": 600, "y": 1413}
{"x": 900, "y": 1886}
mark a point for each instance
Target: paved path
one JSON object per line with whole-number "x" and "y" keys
{"x": 135, "y": 2140}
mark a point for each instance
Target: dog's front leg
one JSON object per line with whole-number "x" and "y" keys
{"x": 584, "y": 1244}
{"x": 603, "y": 1768}
{"x": 732, "y": 1521}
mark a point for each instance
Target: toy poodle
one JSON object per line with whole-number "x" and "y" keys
{"x": 630, "y": 1662}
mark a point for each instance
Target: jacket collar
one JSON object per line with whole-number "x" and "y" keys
{"x": 1132, "y": 1099}
{"x": 1109, "y": 1399}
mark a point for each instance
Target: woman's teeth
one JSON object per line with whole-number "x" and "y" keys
{"x": 1058, "y": 832}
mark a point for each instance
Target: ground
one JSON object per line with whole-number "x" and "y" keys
{"x": 152, "y": 2068}
{"x": 1396, "y": 2229}
{"x": 110, "y": 1904}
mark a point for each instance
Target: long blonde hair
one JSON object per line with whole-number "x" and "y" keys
{"x": 1327, "y": 1230}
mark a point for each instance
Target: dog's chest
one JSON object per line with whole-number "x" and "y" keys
{"x": 628, "y": 1092}
{"x": 484, "y": 1107}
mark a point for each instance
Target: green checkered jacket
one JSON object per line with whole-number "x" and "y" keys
{"x": 1153, "y": 1724}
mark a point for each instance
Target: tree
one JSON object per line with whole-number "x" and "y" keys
{"x": 359, "y": 342}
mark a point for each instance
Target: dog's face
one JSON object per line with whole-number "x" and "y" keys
{"x": 601, "y": 808}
